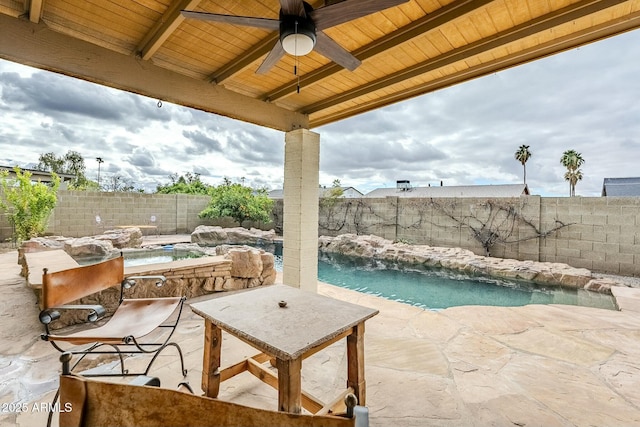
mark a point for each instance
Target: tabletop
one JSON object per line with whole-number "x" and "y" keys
{"x": 307, "y": 321}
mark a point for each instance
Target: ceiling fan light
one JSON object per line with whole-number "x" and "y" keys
{"x": 298, "y": 44}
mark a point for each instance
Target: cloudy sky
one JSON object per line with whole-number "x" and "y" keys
{"x": 586, "y": 99}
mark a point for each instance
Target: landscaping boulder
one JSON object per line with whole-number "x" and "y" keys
{"x": 545, "y": 273}
{"x": 87, "y": 246}
{"x": 249, "y": 266}
{"x": 130, "y": 237}
{"x": 216, "y": 235}
{"x": 39, "y": 244}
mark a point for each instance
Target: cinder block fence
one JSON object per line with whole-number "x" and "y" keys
{"x": 603, "y": 235}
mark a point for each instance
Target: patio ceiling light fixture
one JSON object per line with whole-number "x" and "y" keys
{"x": 298, "y": 36}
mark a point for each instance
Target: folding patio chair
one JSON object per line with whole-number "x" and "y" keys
{"x": 124, "y": 331}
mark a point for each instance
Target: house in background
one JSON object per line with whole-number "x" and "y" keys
{"x": 621, "y": 187}
{"x": 347, "y": 193}
{"x": 42, "y": 176}
{"x": 404, "y": 189}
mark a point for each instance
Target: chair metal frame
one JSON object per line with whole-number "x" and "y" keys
{"x": 95, "y": 278}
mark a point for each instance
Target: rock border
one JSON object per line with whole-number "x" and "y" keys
{"x": 543, "y": 273}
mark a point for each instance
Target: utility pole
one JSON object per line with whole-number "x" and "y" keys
{"x": 100, "y": 161}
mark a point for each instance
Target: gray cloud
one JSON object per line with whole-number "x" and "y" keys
{"x": 201, "y": 143}
{"x": 58, "y": 96}
{"x": 584, "y": 99}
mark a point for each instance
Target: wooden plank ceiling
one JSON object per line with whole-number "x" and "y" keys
{"x": 148, "y": 47}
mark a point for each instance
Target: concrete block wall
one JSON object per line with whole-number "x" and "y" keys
{"x": 603, "y": 233}
{"x": 76, "y": 211}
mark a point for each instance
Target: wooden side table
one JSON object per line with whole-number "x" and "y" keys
{"x": 289, "y": 325}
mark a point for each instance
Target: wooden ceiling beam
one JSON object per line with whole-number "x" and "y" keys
{"x": 162, "y": 29}
{"x": 542, "y": 23}
{"x": 245, "y": 60}
{"x": 35, "y": 10}
{"x": 38, "y": 46}
{"x": 417, "y": 28}
{"x": 592, "y": 34}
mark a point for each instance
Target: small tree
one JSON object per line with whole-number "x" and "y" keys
{"x": 71, "y": 163}
{"x": 29, "y": 205}
{"x": 184, "y": 184}
{"x": 331, "y": 196}
{"x": 238, "y": 202}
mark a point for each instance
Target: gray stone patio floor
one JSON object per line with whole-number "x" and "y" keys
{"x": 537, "y": 365}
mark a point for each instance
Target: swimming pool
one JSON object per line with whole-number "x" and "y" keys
{"x": 427, "y": 288}
{"x": 437, "y": 288}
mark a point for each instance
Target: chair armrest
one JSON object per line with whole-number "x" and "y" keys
{"x": 130, "y": 281}
{"x": 96, "y": 312}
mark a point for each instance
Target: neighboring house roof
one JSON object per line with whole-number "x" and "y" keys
{"x": 348, "y": 192}
{"x": 276, "y": 194}
{"x": 621, "y": 187}
{"x": 37, "y": 175}
{"x": 505, "y": 190}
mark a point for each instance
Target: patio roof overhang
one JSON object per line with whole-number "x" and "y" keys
{"x": 148, "y": 47}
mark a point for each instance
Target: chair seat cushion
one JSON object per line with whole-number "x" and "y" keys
{"x": 134, "y": 317}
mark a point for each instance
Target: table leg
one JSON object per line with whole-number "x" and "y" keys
{"x": 211, "y": 359}
{"x": 289, "y": 385}
{"x": 355, "y": 363}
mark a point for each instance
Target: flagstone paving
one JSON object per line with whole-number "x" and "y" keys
{"x": 538, "y": 365}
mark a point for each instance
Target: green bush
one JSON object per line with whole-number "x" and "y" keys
{"x": 238, "y": 202}
{"x": 28, "y": 204}
{"x": 184, "y": 184}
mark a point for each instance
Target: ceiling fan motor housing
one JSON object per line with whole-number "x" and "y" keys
{"x": 297, "y": 34}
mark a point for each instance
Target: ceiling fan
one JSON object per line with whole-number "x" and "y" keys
{"x": 301, "y": 28}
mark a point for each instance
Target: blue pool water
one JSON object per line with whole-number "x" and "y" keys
{"x": 437, "y": 288}
{"x": 427, "y": 288}
{"x": 441, "y": 288}
{"x": 144, "y": 257}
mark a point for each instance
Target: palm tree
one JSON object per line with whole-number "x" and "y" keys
{"x": 522, "y": 155}
{"x": 573, "y": 177}
{"x": 572, "y": 160}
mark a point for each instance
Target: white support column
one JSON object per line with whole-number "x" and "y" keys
{"x": 300, "y": 223}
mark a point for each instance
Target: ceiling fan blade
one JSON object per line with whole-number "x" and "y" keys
{"x": 339, "y": 13}
{"x": 332, "y": 50}
{"x": 248, "y": 21}
{"x": 292, "y": 7}
{"x": 272, "y": 58}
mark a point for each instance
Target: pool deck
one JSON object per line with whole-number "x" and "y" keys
{"x": 537, "y": 365}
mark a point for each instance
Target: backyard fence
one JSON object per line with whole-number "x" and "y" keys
{"x": 598, "y": 233}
